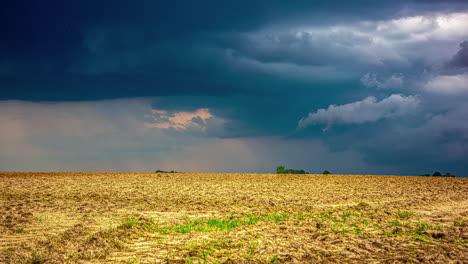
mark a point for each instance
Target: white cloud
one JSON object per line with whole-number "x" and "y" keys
{"x": 367, "y": 110}
{"x": 448, "y": 84}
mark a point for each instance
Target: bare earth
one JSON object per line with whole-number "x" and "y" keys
{"x": 231, "y": 218}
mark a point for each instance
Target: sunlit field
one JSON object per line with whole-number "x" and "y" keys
{"x": 231, "y": 218}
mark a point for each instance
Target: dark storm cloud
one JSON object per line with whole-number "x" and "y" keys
{"x": 461, "y": 58}
{"x": 43, "y": 41}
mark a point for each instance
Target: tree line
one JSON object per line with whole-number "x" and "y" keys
{"x": 438, "y": 174}
{"x": 283, "y": 170}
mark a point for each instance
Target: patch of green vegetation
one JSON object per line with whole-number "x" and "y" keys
{"x": 187, "y": 228}
{"x": 422, "y": 226}
{"x": 300, "y": 216}
{"x": 339, "y": 229}
{"x": 279, "y": 218}
{"x": 346, "y": 215}
{"x": 19, "y": 230}
{"x": 357, "y": 231}
{"x": 224, "y": 224}
{"x": 395, "y": 223}
{"x": 421, "y": 238}
{"x": 274, "y": 259}
{"x": 404, "y": 214}
{"x": 251, "y": 220}
{"x": 207, "y": 225}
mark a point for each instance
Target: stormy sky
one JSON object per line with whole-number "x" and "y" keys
{"x": 361, "y": 87}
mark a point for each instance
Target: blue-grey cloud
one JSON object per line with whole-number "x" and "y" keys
{"x": 460, "y": 59}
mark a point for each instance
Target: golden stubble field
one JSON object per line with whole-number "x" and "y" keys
{"x": 231, "y": 218}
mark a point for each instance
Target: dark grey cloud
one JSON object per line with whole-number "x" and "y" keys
{"x": 155, "y": 42}
{"x": 460, "y": 59}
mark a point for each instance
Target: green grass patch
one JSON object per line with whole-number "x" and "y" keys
{"x": 339, "y": 229}
{"x": 251, "y": 220}
{"x": 421, "y": 238}
{"x": 404, "y": 214}
{"x": 274, "y": 259}
{"x": 422, "y": 226}
{"x": 346, "y": 215}
{"x": 279, "y": 218}
{"x": 302, "y": 216}
{"x": 224, "y": 224}
{"x": 395, "y": 223}
{"x": 357, "y": 231}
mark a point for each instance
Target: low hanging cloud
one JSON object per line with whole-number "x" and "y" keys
{"x": 448, "y": 84}
{"x": 364, "y": 111}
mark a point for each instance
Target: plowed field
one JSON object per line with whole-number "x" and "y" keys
{"x": 231, "y": 218}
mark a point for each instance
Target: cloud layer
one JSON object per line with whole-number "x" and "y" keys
{"x": 366, "y": 110}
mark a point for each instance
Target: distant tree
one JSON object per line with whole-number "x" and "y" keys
{"x": 283, "y": 170}
{"x": 448, "y": 174}
{"x": 437, "y": 174}
{"x": 163, "y": 171}
{"x": 280, "y": 170}
{"x": 326, "y": 172}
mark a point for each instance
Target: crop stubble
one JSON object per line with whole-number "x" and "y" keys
{"x": 231, "y": 218}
